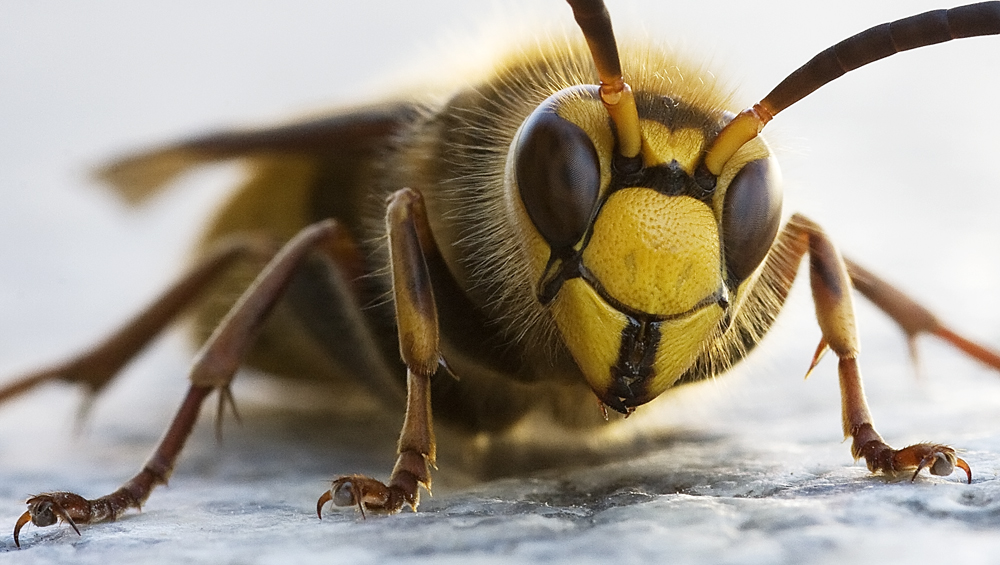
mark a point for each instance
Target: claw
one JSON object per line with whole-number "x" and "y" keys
{"x": 937, "y": 463}
{"x": 365, "y": 493}
{"x": 939, "y": 460}
{"x": 348, "y": 491}
{"x": 965, "y": 467}
{"x": 323, "y": 499}
{"x": 24, "y": 519}
{"x": 943, "y": 464}
{"x": 344, "y": 493}
{"x": 46, "y": 509}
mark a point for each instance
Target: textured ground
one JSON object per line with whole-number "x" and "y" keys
{"x": 896, "y": 161}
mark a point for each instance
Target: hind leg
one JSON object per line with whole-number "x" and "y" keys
{"x": 213, "y": 369}
{"x": 913, "y": 318}
{"x": 95, "y": 368}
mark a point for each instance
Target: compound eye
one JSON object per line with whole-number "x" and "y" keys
{"x": 751, "y": 215}
{"x": 558, "y": 175}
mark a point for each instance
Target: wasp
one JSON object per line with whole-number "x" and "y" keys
{"x": 580, "y": 231}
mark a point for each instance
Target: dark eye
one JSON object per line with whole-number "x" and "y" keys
{"x": 751, "y": 215}
{"x": 558, "y": 175}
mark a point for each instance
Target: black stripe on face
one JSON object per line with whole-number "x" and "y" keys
{"x": 633, "y": 370}
{"x": 669, "y": 179}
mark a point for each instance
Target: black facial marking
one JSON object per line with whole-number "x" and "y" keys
{"x": 705, "y": 179}
{"x": 669, "y": 179}
{"x": 560, "y": 269}
{"x": 634, "y": 367}
{"x": 622, "y": 165}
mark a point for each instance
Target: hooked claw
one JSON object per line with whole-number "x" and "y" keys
{"x": 363, "y": 492}
{"x": 323, "y": 499}
{"x": 938, "y": 459}
{"x": 48, "y": 508}
{"x": 942, "y": 462}
{"x": 343, "y": 492}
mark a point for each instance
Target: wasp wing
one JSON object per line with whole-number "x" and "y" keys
{"x": 352, "y": 134}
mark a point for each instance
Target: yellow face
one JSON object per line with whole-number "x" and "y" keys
{"x": 642, "y": 288}
{"x": 649, "y": 297}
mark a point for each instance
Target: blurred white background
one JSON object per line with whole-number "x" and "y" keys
{"x": 897, "y": 160}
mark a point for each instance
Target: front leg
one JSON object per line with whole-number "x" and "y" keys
{"x": 831, "y": 289}
{"x": 410, "y": 244}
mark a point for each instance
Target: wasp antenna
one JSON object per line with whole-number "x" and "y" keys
{"x": 882, "y": 41}
{"x": 744, "y": 127}
{"x": 595, "y": 23}
{"x": 856, "y": 51}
